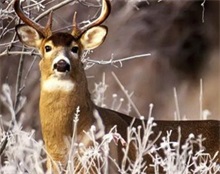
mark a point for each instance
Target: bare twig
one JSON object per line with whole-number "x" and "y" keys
{"x": 7, "y": 43}
{"x": 18, "y": 81}
{"x": 126, "y": 94}
{"x": 88, "y": 4}
{"x": 53, "y": 8}
{"x": 200, "y": 100}
{"x": 3, "y": 144}
{"x": 12, "y": 40}
{"x": 177, "y": 115}
{"x": 35, "y": 3}
{"x": 5, "y": 30}
{"x": 5, "y": 98}
{"x": 29, "y": 69}
{"x": 203, "y": 11}
{"x": 30, "y": 53}
{"x": 113, "y": 62}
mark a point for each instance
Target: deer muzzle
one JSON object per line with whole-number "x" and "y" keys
{"x": 61, "y": 64}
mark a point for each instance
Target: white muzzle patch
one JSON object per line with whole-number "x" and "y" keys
{"x": 61, "y": 65}
{"x": 61, "y": 57}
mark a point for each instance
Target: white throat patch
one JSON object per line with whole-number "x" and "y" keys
{"x": 56, "y": 84}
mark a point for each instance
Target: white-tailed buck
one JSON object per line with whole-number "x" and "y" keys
{"x": 64, "y": 88}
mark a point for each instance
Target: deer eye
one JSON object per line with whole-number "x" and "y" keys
{"x": 74, "y": 49}
{"x": 48, "y": 48}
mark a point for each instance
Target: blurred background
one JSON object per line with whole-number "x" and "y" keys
{"x": 181, "y": 36}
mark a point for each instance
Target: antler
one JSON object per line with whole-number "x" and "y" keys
{"x": 106, "y": 9}
{"x": 44, "y": 31}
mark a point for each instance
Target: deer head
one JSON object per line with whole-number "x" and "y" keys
{"x": 61, "y": 52}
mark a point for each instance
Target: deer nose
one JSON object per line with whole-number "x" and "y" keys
{"x": 62, "y": 66}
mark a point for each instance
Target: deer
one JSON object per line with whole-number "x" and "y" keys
{"x": 64, "y": 87}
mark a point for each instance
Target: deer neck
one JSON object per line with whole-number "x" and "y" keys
{"x": 59, "y": 100}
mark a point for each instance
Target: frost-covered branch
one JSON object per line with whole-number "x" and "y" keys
{"x": 91, "y": 62}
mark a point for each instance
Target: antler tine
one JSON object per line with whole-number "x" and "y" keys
{"x": 48, "y": 27}
{"x": 76, "y": 30}
{"x": 106, "y": 9}
{"x": 42, "y": 30}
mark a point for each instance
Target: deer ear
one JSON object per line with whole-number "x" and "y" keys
{"x": 93, "y": 37}
{"x": 28, "y": 35}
